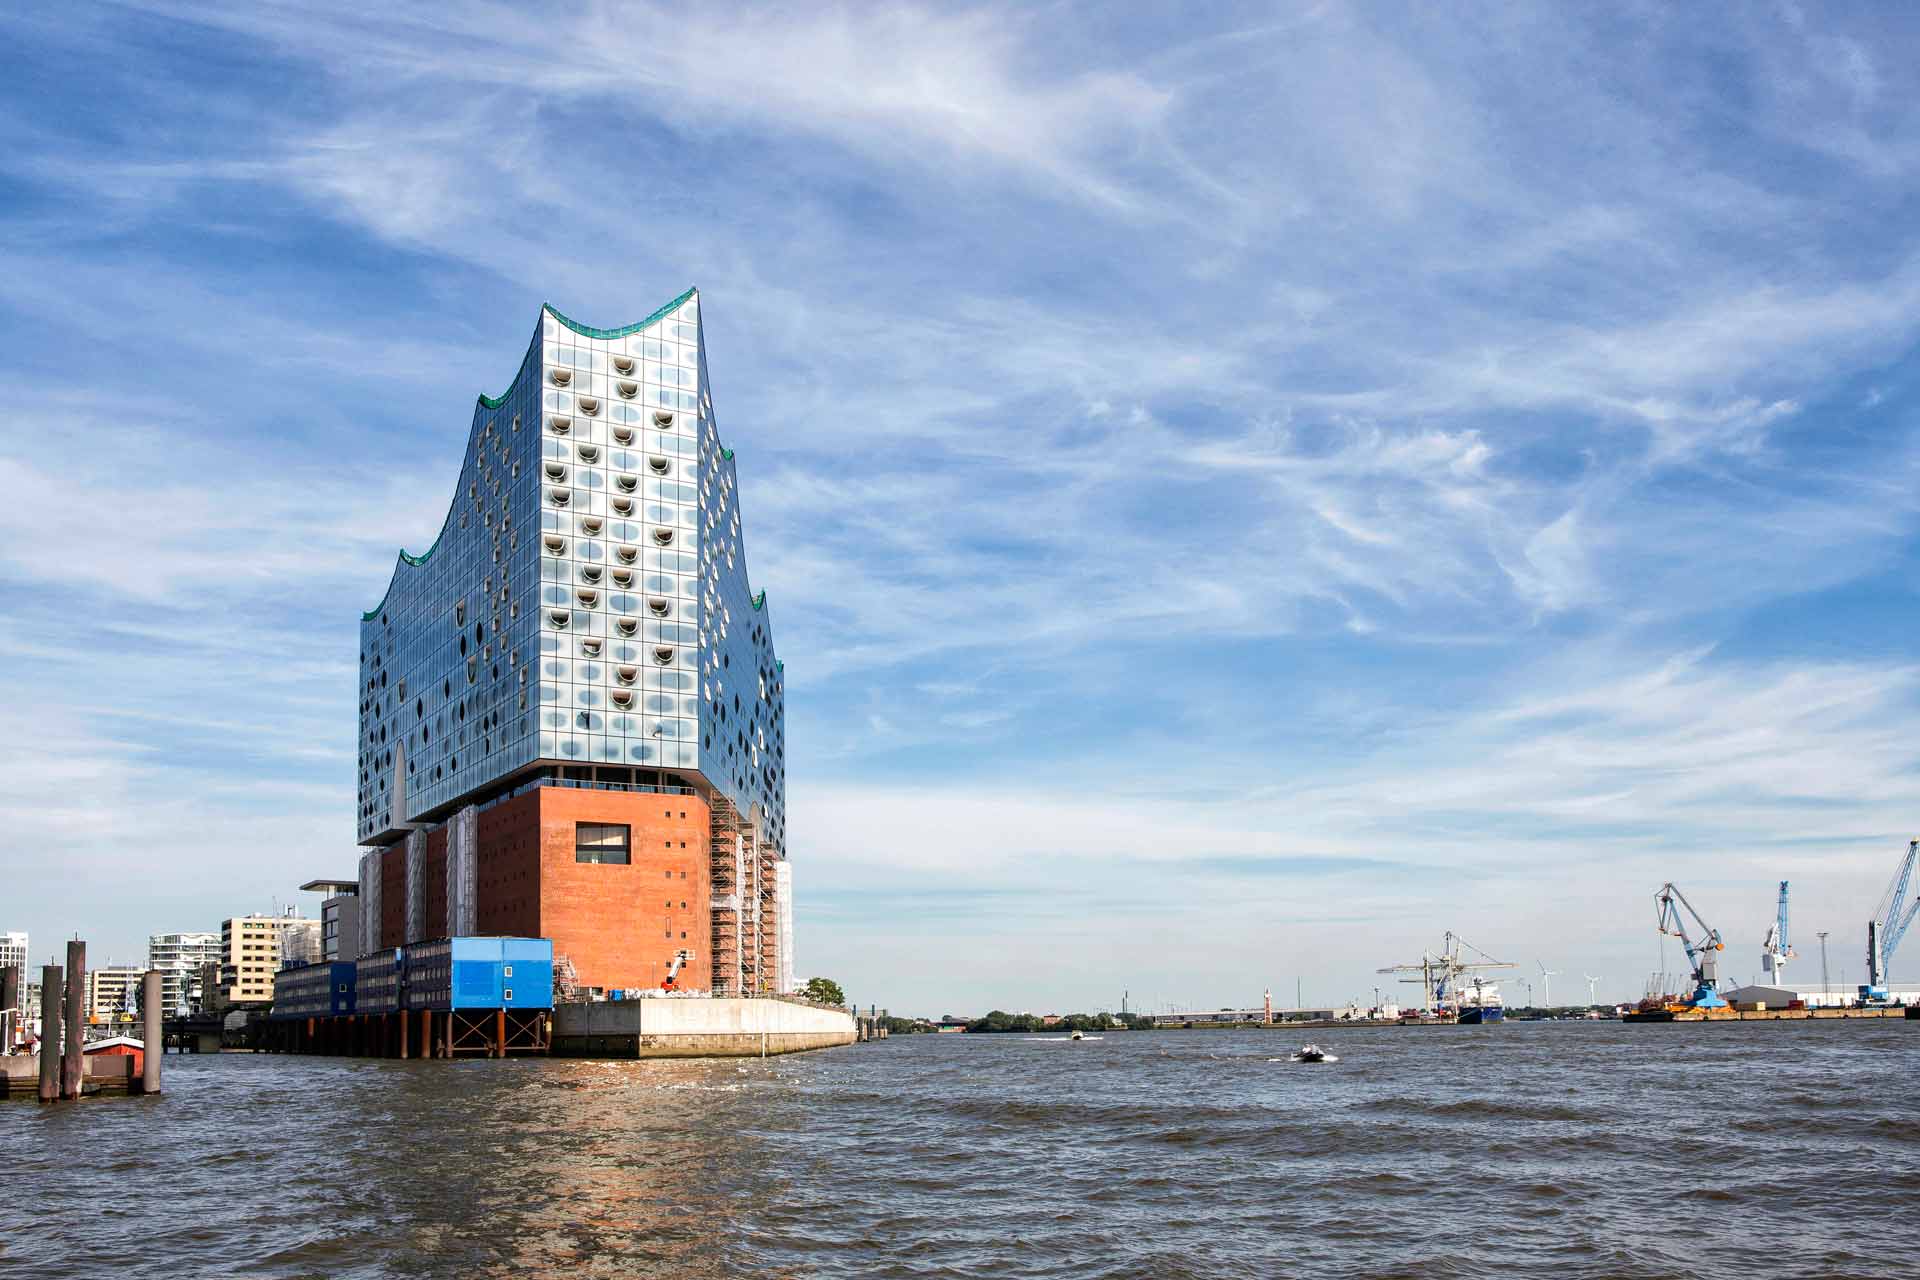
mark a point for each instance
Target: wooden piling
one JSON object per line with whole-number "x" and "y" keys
{"x": 73, "y": 1059}
{"x": 9, "y": 1006}
{"x": 155, "y": 1046}
{"x": 52, "y": 993}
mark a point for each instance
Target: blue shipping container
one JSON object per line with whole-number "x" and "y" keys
{"x": 480, "y": 973}
{"x": 526, "y": 973}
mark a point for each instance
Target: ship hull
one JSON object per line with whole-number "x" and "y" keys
{"x": 1476, "y": 1017}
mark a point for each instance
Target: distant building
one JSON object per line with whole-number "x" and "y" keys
{"x": 300, "y": 941}
{"x": 250, "y": 952}
{"x": 339, "y": 918}
{"x": 572, "y": 719}
{"x": 1813, "y": 995}
{"x": 113, "y": 992}
{"x": 179, "y": 957}
{"x": 783, "y": 898}
{"x": 13, "y": 950}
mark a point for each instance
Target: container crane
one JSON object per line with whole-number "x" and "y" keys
{"x": 1889, "y": 925}
{"x": 1704, "y": 953}
{"x": 1442, "y": 976}
{"x": 1776, "y": 950}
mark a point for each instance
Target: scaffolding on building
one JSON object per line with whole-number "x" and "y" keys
{"x": 746, "y": 917}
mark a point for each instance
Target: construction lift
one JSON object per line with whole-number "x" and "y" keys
{"x": 1888, "y": 926}
{"x": 1703, "y": 954}
{"x": 1776, "y": 950}
{"x": 680, "y": 958}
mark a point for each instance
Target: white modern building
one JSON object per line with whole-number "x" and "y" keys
{"x": 13, "y": 950}
{"x": 783, "y": 881}
{"x": 179, "y": 957}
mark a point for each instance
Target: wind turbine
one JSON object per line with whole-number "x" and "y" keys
{"x": 1547, "y": 976}
{"x": 1593, "y": 980}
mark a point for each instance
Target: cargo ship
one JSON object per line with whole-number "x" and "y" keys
{"x": 1480, "y": 1003}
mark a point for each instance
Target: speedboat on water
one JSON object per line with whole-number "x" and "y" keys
{"x": 1313, "y": 1053}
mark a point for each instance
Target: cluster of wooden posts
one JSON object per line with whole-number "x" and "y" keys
{"x": 63, "y": 1065}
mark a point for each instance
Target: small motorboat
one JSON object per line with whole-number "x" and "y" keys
{"x": 1078, "y": 1035}
{"x": 1313, "y": 1053}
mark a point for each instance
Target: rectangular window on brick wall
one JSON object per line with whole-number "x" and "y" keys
{"x": 601, "y": 842}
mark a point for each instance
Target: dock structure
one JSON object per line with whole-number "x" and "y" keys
{"x": 65, "y": 1065}
{"x": 445, "y": 998}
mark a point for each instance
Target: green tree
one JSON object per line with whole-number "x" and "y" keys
{"x": 825, "y": 990}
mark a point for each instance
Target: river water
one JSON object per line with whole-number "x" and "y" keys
{"x": 1746, "y": 1150}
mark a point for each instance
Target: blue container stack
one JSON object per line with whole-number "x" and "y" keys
{"x": 326, "y": 989}
{"x": 480, "y": 973}
{"x": 379, "y": 980}
{"x": 526, "y": 973}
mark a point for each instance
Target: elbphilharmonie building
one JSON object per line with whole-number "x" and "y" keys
{"x": 571, "y": 714}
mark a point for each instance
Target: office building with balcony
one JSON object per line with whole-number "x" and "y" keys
{"x": 571, "y": 714}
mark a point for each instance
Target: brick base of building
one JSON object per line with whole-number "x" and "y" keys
{"x": 620, "y": 925}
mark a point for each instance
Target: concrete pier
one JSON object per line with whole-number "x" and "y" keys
{"x": 73, "y": 1058}
{"x": 51, "y": 998}
{"x": 717, "y": 1028}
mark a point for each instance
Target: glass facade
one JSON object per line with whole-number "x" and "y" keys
{"x": 587, "y": 599}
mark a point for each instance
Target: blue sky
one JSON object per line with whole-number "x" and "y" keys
{"x": 1242, "y": 491}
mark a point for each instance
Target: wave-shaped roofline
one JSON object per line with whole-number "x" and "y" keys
{"x": 492, "y": 402}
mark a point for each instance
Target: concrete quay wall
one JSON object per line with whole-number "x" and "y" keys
{"x": 721, "y": 1028}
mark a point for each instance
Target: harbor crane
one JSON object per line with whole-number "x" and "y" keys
{"x": 1776, "y": 950}
{"x": 1889, "y": 925}
{"x": 1704, "y": 953}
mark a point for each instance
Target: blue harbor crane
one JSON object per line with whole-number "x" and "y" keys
{"x": 1888, "y": 926}
{"x": 1704, "y": 953}
{"x": 1776, "y": 950}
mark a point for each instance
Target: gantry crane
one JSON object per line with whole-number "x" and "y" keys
{"x": 1439, "y": 975}
{"x": 1889, "y": 925}
{"x": 1703, "y": 954}
{"x": 1776, "y": 950}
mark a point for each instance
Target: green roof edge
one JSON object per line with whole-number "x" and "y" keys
{"x": 587, "y": 331}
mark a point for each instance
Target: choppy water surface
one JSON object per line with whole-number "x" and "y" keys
{"x": 1573, "y": 1149}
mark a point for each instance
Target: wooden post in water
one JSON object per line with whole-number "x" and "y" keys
{"x": 152, "y": 1034}
{"x": 73, "y": 1057}
{"x": 9, "y": 1006}
{"x": 51, "y": 988}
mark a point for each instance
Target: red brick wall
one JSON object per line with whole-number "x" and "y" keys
{"x": 507, "y": 869}
{"x": 620, "y": 925}
{"x": 436, "y": 904}
{"x": 393, "y": 896}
